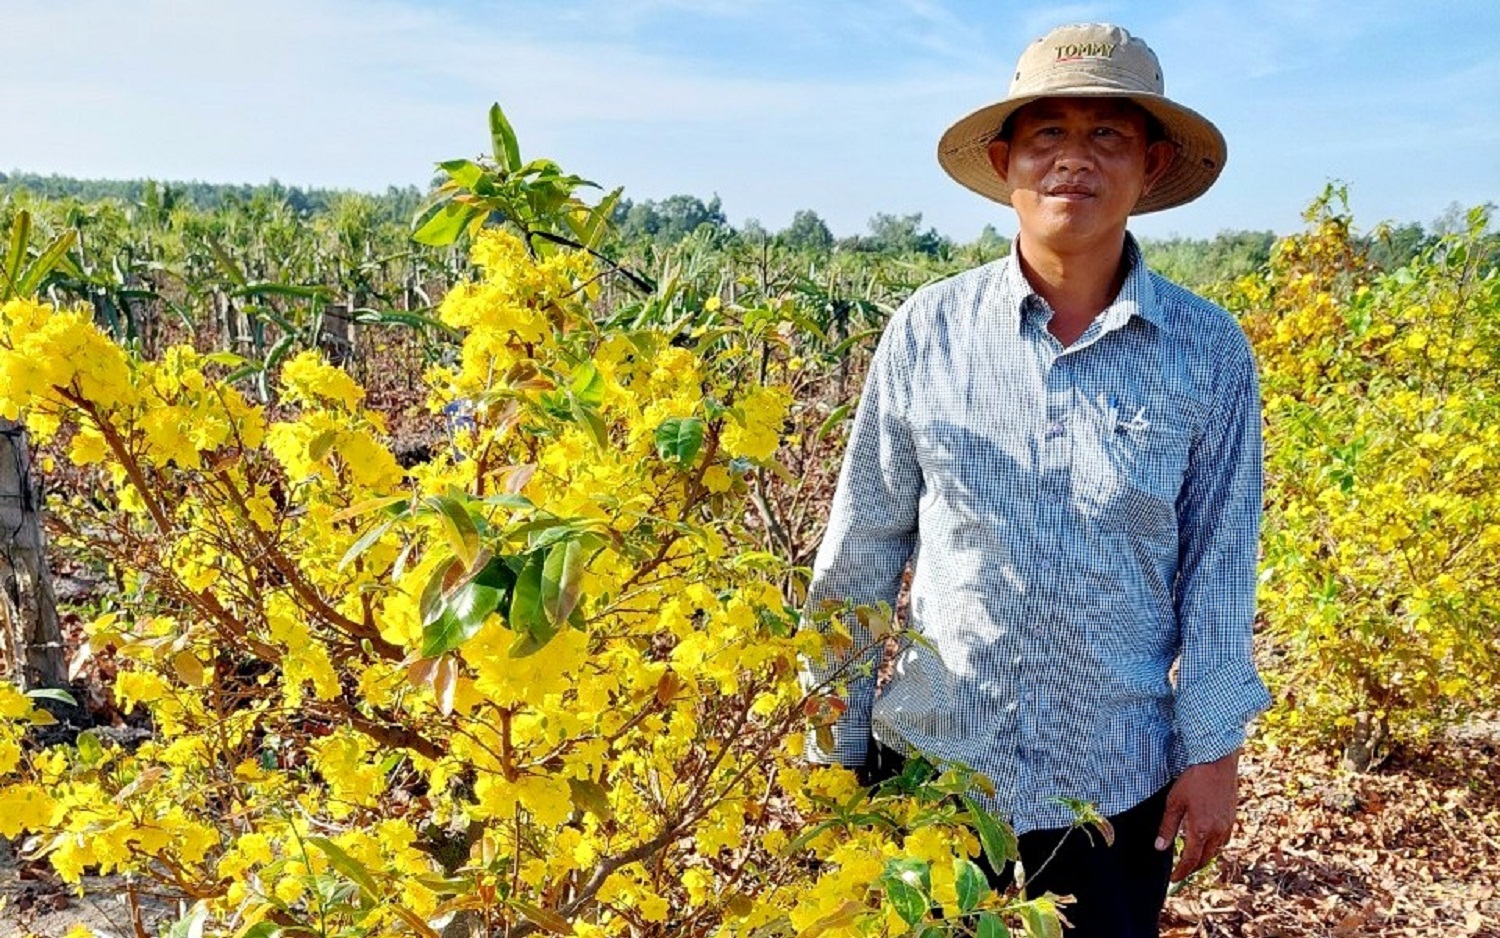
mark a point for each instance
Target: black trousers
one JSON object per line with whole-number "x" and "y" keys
{"x": 1119, "y": 890}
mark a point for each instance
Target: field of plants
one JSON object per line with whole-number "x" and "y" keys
{"x": 431, "y": 564}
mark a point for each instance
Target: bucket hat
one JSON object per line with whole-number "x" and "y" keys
{"x": 1090, "y": 60}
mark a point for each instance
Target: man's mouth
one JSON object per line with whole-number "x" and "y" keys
{"x": 1070, "y": 191}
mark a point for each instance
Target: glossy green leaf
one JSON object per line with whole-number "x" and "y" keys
{"x": 466, "y": 173}
{"x": 459, "y": 528}
{"x": 52, "y": 693}
{"x": 288, "y": 290}
{"x": 464, "y": 609}
{"x": 998, "y": 841}
{"x": 969, "y": 883}
{"x": 442, "y": 223}
{"x": 526, "y": 614}
{"x": 679, "y": 439}
{"x": 588, "y": 385}
{"x": 562, "y": 577}
{"x": 990, "y": 926}
{"x": 430, "y": 603}
{"x": 503, "y": 139}
{"x": 906, "y": 884}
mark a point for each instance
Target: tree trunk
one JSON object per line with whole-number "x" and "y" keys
{"x": 30, "y": 639}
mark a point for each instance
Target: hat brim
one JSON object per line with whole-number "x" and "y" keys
{"x": 963, "y": 150}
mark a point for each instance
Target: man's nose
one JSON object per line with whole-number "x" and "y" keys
{"x": 1074, "y": 153}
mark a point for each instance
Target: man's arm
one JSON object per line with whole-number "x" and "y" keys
{"x": 1218, "y": 690}
{"x": 870, "y": 536}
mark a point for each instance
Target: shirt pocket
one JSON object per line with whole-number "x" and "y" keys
{"x": 1146, "y": 466}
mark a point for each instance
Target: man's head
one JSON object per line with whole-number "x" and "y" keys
{"x": 1077, "y": 168}
{"x": 1090, "y": 61}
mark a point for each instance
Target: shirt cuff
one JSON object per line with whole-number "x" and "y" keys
{"x": 1212, "y": 718}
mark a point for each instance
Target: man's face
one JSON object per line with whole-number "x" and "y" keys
{"x": 1078, "y": 166}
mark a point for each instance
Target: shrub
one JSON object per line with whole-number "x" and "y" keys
{"x": 1381, "y": 582}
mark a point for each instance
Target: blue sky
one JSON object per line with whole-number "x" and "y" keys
{"x": 774, "y": 105}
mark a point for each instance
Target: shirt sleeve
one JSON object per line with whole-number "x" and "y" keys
{"x": 872, "y": 530}
{"x": 1219, "y": 513}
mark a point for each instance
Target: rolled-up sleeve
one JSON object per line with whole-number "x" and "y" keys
{"x": 1219, "y": 514}
{"x": 872, "y": 530}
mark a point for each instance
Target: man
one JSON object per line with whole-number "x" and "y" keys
{"x": 1067, "y": 448}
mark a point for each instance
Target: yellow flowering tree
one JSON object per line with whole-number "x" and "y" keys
{"x": 536, "y": 683}
{"x": 1381, "y": 584}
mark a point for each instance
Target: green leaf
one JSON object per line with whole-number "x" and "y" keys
{"x": 20, "y": 237}
{"x": 997, "y": 839}
{"x": 349, "y": 866}
{"x": 503, "y": 139}
{"x": 588, "y": 385}
{"x": 38, "y": 269}
{"x": 1040, "y": 919}
{"x": 590, "y": 420}
{"x": 366, "y": 540}
{"x": 291, "y": 290}
{"x": 833, "y": 420}
{"x": 321, "y": 445}
{"x": 906, "y": 883}
{"x": 970, "y": 884}
{"x": 441, "y": 223}
{"x": 430, "y": 604}
{"x": 462, "y": 534}
{"x": 228, "y": 359}
{"x": 562, "y": 575}
{"x": 588, "y": 795}
{"x": 399, "y": 317}
{"x": 990, "y": 926}
{"x": 466, "y": 173}
{"x": 679, "y": 439}
{"x": 464, "y": 609}
{"x": 52, "y": 693}
{"x": 226, "y": 263}
{"x": 591, "y": 231}
{"x": 89, "y": 749}
{"x": 545, "y": 918}
{"x": 526, "y": 614}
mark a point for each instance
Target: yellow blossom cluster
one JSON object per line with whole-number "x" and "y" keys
{"x": 536, "y": 678}
{"x": 1381, "y": 582}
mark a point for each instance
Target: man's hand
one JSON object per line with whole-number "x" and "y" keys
{"x": 1201, "y": 804}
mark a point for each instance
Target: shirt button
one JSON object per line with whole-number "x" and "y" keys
{"x": 1055, "y": 430}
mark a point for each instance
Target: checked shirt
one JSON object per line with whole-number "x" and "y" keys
{"x": 1078, "y": 520}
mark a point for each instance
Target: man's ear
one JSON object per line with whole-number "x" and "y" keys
{"x": 1159, "y": 158}
{"x": 999, "y": 151}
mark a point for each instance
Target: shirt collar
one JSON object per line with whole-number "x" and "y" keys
{"x": 1137, "y": 296}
